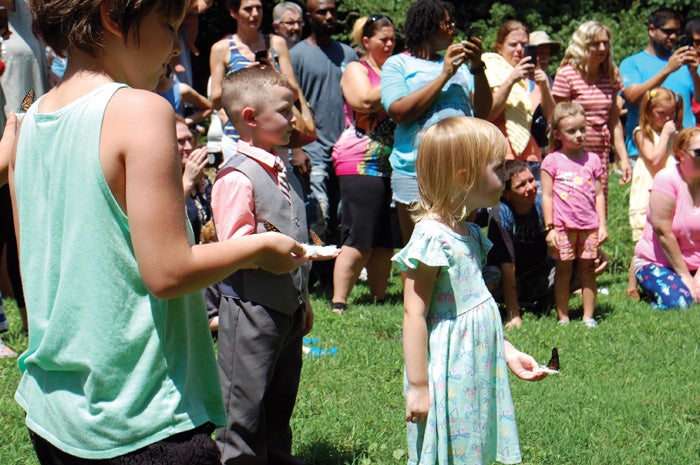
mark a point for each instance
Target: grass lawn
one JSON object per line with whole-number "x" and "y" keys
{"x": 628, "y": 391}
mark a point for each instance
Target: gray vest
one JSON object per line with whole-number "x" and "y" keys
{"x": 284, "y": 293}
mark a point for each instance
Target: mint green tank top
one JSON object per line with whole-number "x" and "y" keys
{"x": 109, "y": 368}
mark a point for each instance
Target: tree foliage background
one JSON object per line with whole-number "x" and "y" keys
{"x": 627, "y": 20}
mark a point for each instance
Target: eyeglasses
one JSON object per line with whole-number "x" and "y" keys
{"x": 669, "y": 31}
{"x": 449, "y": 24}
{"x": 366, "y": 29}
{"x": 290, "y": 23}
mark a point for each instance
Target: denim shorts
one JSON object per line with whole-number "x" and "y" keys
{"x": 404, "y": 188}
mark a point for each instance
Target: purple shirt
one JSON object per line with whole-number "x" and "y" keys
{"x": 685, "y": 224}
{"x": 573, "y": 196}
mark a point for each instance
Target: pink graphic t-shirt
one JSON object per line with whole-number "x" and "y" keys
{"x": 574, "y": 183}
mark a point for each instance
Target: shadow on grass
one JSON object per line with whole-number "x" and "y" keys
{"x": 324, "y": 453}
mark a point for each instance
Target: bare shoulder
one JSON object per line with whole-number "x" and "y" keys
{"x": 140, "y": 114}
{"x": 277, "y": 42}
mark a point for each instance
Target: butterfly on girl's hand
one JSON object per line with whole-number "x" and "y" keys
{"x": 552, "y": 366}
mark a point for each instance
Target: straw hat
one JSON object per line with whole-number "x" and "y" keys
{"x": 542, "y": 38}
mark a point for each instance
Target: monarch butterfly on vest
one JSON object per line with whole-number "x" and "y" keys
{"x": 269, "y": 227}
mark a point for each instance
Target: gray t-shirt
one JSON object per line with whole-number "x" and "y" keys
{"x": 318, "y": 71}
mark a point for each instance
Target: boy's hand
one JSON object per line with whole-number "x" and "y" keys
{"x": 279, "y": 254}
{"x": 308, "y": 317}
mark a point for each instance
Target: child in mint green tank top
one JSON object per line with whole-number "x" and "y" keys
{"x": 120, "y": 360}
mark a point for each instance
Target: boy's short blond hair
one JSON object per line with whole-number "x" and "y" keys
{"x": 249, "y": 87}
{"x": 66, "y": 24}
{"x": 453, "y": 145}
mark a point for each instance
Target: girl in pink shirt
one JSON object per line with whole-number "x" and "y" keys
{"x": 573, "y": 208}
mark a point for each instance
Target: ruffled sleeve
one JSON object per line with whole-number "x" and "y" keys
{"x": 484, "y": 242}
{"x": 427, "y": 245}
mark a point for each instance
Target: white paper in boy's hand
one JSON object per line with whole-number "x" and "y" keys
{"x": 544, "y": 369}
{"x": 316, "y": 252}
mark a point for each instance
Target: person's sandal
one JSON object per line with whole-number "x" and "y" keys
{"x": 338, "y": 308}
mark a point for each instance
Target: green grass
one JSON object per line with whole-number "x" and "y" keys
{"x": 628, "y": 391}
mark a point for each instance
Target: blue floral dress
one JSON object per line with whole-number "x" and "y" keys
{"x": 471, "y": 418}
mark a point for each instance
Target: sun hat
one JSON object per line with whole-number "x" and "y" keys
{"x": 542, "y": 38}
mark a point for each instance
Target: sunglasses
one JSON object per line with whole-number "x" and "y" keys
{"x": 371, "y": 20}
{"x": 694, "y": 152}
{"x": 669, "y": 31}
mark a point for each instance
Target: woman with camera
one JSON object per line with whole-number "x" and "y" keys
{"x": 519, "y": 87}
{"x": 421, "y": 87}
{"x": 246, "y": 47}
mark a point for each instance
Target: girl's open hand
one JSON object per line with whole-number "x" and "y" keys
{"x": 524, "y": 366}
{"x": 417, "y": 404}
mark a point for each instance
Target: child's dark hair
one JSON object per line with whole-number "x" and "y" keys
{"x": 66, "y": 24}
{"x": 513, "y": 167}
{"x": 423, "y": 21}
{"x": 659, "y": 17}
{"x": 561, "y": 111}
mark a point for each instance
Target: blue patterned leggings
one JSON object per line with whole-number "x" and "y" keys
{"x": 665, "y": 286}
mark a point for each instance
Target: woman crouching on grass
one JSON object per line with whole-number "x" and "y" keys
{"x": 667, "y": 257}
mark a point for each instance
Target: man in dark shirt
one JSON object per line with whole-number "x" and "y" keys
{"x": 519, "y": 250}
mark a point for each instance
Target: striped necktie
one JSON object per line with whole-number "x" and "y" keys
{"x": 282, "y": 181}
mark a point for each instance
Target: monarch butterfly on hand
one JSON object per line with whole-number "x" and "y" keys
{"x": 315, "y": 239}
{"x": 27, "y": 101}
{"x": 553, "y": 363}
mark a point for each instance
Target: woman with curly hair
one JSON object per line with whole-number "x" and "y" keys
{"x": 588, "y": 75}
{"x": 421, "y": 87}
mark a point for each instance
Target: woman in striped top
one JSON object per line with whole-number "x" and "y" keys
{"x": 588, "y": 75}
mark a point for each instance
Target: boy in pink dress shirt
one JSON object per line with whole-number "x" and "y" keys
{"x": 262, "y": 316}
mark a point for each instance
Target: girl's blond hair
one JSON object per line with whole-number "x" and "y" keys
{"x": 652, "y": 98}
{"x": 561, "y": 111}
{"x": 458, "y": 144}
{"x": 577, "y": 54}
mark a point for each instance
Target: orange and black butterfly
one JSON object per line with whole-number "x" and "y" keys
{"x": 315, "y": 239}
{"x": 27, "y": 101}
{"x": 553, "y": 363}
{"x": 269, "y": 227}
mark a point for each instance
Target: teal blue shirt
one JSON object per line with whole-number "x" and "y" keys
{"x": 109, "y": 368}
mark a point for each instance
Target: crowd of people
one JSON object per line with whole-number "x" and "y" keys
{"x": 415, "y": 150}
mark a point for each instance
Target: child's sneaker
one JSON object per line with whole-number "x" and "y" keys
{"x": 564, "y": 321}
{"x": 590, "y": 322}
{"x": 6, "y": 352}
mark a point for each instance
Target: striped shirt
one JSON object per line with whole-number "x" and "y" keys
{"x": 596, "y": 98}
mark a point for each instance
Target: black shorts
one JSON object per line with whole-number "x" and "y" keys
{"x": 193, "y": 447}
{"x": 366, "y": 217}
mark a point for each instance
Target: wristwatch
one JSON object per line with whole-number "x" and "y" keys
{"x": 479, "y": 69}
{"x": 548, "y": 227}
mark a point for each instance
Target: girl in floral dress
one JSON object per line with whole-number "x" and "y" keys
{"x": 458, "y": 403}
